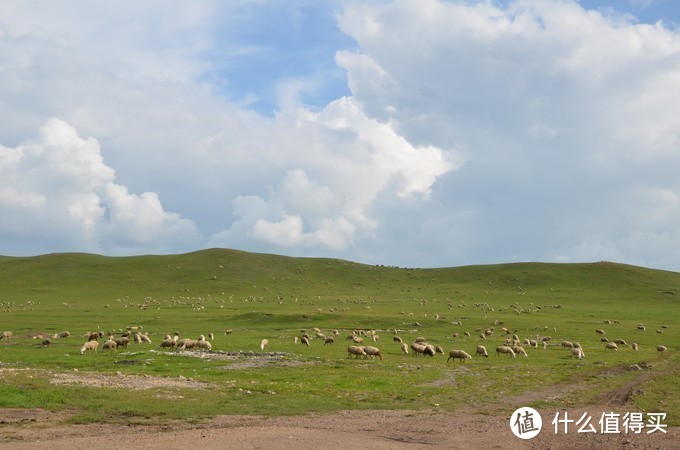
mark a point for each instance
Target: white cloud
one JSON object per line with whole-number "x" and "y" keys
{"x": 58, "y": 187}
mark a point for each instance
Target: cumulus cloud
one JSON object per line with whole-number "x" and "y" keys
{"x": 57, "y": 188}
{"x": 562, "y": 115}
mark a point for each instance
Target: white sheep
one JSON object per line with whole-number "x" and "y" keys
{"x": 458, "y": 354}
{"x": 62, "y": 335}
{"x": 634, "y": 346}
{"x": 611, "y": 346}
{"x": 577, "y": 352}
{"x": 305, "y": 341}
{"x": 661, "y": 348}
{"x": 372, "y": 351}
{"x": 519, "y": 350}
{"x": 404, "y": 348}
{"x": 397, "y": 339}
{"x": 89, "y": 346}
{"x": 110, "y": 344}
{"x": 602, "y": 332}
{"x": 168, "y": 342}
{"x": 438, "y": 349}
{"x": 481, "y": 351}
{"x": 356, "y": 351}
{"x": 505, "y": 350}
{"x": 204, "y": 345}
{"x": 5, "y": 335}
{"x": 263, "y": 344}
{"x": 329, "y": 340}
{"x": 567, "y": 344}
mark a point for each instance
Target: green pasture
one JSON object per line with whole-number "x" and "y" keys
{"x": 245, "y": 297}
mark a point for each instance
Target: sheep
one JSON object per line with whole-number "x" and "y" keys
{"x": 611, "y": 346}
{"x": 519, "y": 350}
{"x": 211, "y": 336}
{"x": 604, "y": 340}
{"x": 357, "y": 340}
{"x": 184, "y": 344}
{"x": 641, "y": 327}
{"x": 295, "y": 340}
{"x": 305, "y": 341}
{"x": 167, "y": 343}
{"x": 620, "y": 342}
{"x": 122, "y": 342}
{"x": 404, "y": 348}
{"x": 438, "y": 349}
{"x": 602, "y": 332}
{"x": 481, "y": 351}
{"x": 329, "y": 340}
{"x": 5, "y": 335}
{"x": 204, "y": 345}
{"x": 373, "y": 351}
{"x": 458, "y": 354}
{"x": 567, "y": 344}
{"x": 661, "y": 348}
{"x": 89, "y": 345}
{"x": 62, "y": 335}
{"x": 420, "y": 340}
{"x": 45, "y": 343}
{"x": 109, "y": 345}
{"x": 420, "y": 349}
{"x": 356, "y": 351}
{"x": 634, "y": 346}
{"x": 263, "y": 344}
{"x": 397, "y": 339}
{"x": 94, "y": 336}
{"x": 577, "y": 353}
{"x": 142, "y": 338}
{"x": 506, "y": 350}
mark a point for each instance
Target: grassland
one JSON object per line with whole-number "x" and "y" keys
{"x": 267, "y": 296}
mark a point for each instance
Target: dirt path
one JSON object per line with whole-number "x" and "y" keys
{"x": 36, "y": 429}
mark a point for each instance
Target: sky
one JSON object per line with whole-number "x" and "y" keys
{"x": 416, "y": 133}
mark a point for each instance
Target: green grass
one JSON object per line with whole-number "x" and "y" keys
{"x": 258, "y": 296}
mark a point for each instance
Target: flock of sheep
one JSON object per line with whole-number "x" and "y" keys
{"x": 509, "y": 344}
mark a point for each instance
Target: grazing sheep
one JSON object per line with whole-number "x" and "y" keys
{"x": 122, "y": 342}
{"x": 420, "y": 340}
{"x": 611, "y": 346}
{"x": 329, "y": 340}
{"x": 357, "y": 340}
{"x": 397, "y": 339}
{"x": 661, "y": 348}
{"x": 45, "y": 343}
{"x": 167, "y": 343}
{"x": 305, "y": 341}
{"x": 505, "y": 350}
{"x": 356, "y": 351}
{"x": 62, "y": 335}
{"x": 602, "y": 332}
{"x": 295, "y": 340}
{"x": 577, "y": 352}
{"x": 145, "y": 338}
{"x": 420, "y": 349}
{"x": 184, "y": 344}
{"x": 204, "y": 345}
{"x": 567, "y": 344}
{"x": 438, "y": 349}
{"x": 634, "y": 346}
{"x": 89, "y": 346}
{"x": 109, "y": 345}
{"x": 604, "y": 340}
{"x": 404, "y": 348}
{"x": 481, "y": 351}
{"x": 458, "y": 354}
{"x": 263, "y": 344}
{"x": 5, "y": 335}
{"x": 373, "y": 351}
{"x": 620, "y": 342}
{"x": 641, "y": 327}
{"x": 211, "y": 336}
{"x": 94, "y": 336}
{"x": 519, "y": 350}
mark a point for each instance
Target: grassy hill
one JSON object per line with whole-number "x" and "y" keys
{"x": 257, "y": 296}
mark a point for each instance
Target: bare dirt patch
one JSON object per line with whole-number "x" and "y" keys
{"x": 119, "y": 380}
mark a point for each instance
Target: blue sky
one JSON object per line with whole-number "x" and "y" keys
{"x": 409, "y": 132}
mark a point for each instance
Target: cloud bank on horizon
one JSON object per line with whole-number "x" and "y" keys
{"x": 409, "y": 132}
